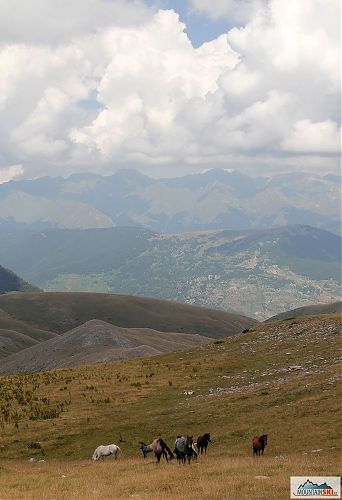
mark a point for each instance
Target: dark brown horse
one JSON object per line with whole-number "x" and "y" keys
{"x": 259, "y": 444}
{"x": 202, "y": 442}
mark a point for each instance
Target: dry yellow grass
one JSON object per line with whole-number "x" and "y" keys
{"x": 210, "y": 478}
{"x": 281, "y": 378}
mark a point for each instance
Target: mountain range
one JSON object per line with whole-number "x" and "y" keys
{"x": 258, "y": 273}
{"x": 215, "y": 199}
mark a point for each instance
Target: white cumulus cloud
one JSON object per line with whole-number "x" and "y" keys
{"x": 308, "y": 137}
{"x": 129, "y": 88}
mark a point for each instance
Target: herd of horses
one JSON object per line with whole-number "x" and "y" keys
{"x": 185, "y": 448}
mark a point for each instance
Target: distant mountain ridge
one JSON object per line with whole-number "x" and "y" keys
{"x": 258, "y": 273}
{"x": 216, "y": 199}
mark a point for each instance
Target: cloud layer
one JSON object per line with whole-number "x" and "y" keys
{"x": 122, "y": 84}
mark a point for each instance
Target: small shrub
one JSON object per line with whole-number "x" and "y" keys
{"x": 34, "y": 445}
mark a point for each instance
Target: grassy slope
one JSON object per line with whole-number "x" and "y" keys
{"x": 60, "y": 312}
{"x": 281, "y": 378}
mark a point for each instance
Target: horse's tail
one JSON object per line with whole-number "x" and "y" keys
{"x": 119, "y": 449}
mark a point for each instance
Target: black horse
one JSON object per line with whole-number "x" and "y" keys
{"x": 202, "y": 442}
{"x": 184, "y": 449}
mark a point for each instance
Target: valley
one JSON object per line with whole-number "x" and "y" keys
{"x": 257, "y": 273}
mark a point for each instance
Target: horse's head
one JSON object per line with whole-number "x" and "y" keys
{"x": 264, "y": 438}
{"x": 143, "y": 448}
{"x": 207, "y": 436}
{"x": 189, "y": 441}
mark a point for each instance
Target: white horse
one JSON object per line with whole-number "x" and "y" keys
{"x": 105, "y": 451}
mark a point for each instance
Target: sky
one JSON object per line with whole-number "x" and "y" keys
{"x": 169, "y": 87}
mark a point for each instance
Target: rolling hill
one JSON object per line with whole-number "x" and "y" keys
{"x": 215, "y": 199}
{"x": 60, "y": 312}
{"x": 314, "y": 309}
{"x": 7, "y": 322}
{"x": 258, "y": 273}
{"x": 12, "y": 342}
{"x": 97, "y": 342}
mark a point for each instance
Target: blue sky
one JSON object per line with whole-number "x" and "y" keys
{"x": 200, "y": 28}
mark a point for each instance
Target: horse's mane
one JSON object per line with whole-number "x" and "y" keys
{"x": 206, "y": 435}
{"x": 260, "y": 439}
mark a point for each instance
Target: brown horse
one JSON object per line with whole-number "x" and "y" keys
{"x": 259, "y": 443}
{"x": 159, "y": 447}
{"x": 202, "y": 442}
